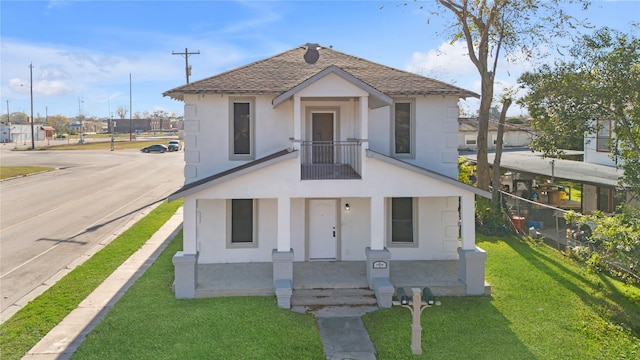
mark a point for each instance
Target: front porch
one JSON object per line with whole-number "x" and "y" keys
{"x": 256, "y": 279}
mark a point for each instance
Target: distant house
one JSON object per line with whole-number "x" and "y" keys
{"x": 515, "y": 135}
{"x": 315, "y": 157}
{"x": 597, "y": 150}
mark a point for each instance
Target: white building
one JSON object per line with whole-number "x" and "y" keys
{"x": 314, "y": 155}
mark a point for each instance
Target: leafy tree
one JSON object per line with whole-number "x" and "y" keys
{"x": 600, "y": 81}
{"x": 495, "y": 28}
{"x": 615, "y": 240}
{"x": 59, "y": 122}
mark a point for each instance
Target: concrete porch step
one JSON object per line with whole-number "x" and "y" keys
{"x": 333, "y": 297}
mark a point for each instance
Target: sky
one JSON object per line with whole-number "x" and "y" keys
{"x": 88, "y": 57}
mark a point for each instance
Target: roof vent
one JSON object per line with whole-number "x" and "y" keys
{"x": 312, "y": 55}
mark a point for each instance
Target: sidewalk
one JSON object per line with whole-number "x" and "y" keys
{"x": 64, "y": 339}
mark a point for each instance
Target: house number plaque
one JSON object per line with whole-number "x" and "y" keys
{"x": 379, "y": 264}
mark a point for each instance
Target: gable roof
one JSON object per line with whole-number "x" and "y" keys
{"x": 378, "y": 99}
{"x": 426, "y": 172}
{"x": 283, "y": 72}
{"x": 208, "y": 181}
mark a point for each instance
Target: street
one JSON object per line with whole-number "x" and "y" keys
{"x": 50, "y": 220}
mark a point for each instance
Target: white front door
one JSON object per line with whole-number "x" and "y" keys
{"x": 323, "y": 242}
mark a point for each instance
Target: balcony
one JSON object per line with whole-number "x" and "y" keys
{"x": 331, "y": 160}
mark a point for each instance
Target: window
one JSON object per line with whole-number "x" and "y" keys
{"x": 470, "y": 139}
{"x": 403, "y": 128}
{"x": 402, "y": 229}
{"x": 241, "y": 129}
{"x": 603, "y": 139}
{"x": 241, "y": 221}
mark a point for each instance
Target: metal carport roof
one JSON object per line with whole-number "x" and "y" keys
{"x": 576, "y": 171}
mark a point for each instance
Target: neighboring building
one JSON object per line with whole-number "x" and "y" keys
{"x": 515, "y": 135}
{"x": 314, "y": 156}
{"x": 21, "y": 133}
{"x": 142, "y": 125}
{"x": 597, "y": 150}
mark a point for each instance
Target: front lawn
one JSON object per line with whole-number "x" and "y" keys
{"x": 543, "y": 306}
{"x": 149, "y": 323}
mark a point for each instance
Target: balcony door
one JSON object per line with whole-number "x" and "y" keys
{"x": 322, "y": 135}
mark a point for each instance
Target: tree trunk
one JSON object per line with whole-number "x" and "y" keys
{"x": 483, "y": 129}
{"x": 495, "y": 179}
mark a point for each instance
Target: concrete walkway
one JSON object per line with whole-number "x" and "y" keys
{"x": 64, "y": 339}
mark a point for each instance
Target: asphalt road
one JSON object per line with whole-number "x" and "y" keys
{"x": 49, "y": 221}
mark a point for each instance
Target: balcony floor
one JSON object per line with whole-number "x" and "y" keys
{"x": 329, "y": 172}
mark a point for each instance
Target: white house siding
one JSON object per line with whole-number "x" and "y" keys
{"x": 207, "y": 127}
{"x": 592, "y": 156}
{"x": 207, "y": 132}
{"x": 437, "y": 212}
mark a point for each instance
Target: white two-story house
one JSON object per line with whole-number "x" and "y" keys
{"x": 314, "y": 156}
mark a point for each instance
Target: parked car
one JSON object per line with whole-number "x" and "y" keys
{"x": 175, "y": 145}
{"x": 155, "y": 148}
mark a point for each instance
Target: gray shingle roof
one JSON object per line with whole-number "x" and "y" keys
{"x": 282, "y": 72}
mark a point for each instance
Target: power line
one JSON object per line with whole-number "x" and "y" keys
{"x": 186, "y": 54}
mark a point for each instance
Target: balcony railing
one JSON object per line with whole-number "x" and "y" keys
{"x": 331, "y": 160}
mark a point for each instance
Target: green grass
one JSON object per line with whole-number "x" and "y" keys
{"x": 24, "y": 329}
{"x": 12, "y": 171}
{"x": 543, "y": 306}
{"x": 149, "y": 323}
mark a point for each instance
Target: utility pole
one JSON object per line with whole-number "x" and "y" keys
{"x": 186, "y": 54}
{"x": 33, "y": 141}
{"x": 8, "y": 114}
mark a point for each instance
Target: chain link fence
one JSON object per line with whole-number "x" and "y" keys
{"x": 544, "y": 221}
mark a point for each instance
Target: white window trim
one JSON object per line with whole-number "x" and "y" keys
{"x": 247, "y": 245}
{"x": 412, "y": 129}
{"x": 252, "y": 128}
{"x": 414, "y": 221}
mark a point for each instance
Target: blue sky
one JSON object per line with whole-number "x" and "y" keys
{"x": 84, "y": 51}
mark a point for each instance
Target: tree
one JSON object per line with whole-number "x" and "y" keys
{"x": 122, "y": 112}
{"x": 600, "y": 81}
{"x": 59, "y": 122}
{"x": 492, "y": 29}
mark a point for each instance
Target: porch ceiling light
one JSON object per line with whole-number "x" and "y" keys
{"x": 347, "y": 207}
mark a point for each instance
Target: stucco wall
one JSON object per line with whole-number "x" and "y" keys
{"x": 207, "y": 127}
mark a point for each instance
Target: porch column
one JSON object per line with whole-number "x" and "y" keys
{"x": 471, "y": 269}
{"x": 284, "y": 224}
{"x": 377, "y": 223}
{"x": 471, "y": 259}
{"x": 468, "y": 225}
{"x": 189, "y": 224}
{"x": 297, "y": 122}
{"x": 185, "y": 262}
{"x": 282, "y": 257}
{"x": 364, "y": 117}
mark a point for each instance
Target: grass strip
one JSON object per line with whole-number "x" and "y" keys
{"x": 543, "y": 306}
{"x": 150, "y": 323}
{"x": 13, "y": 171}
{"x": 24, "y": 329}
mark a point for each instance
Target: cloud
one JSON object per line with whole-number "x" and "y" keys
{"x": 449, "y": 62}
